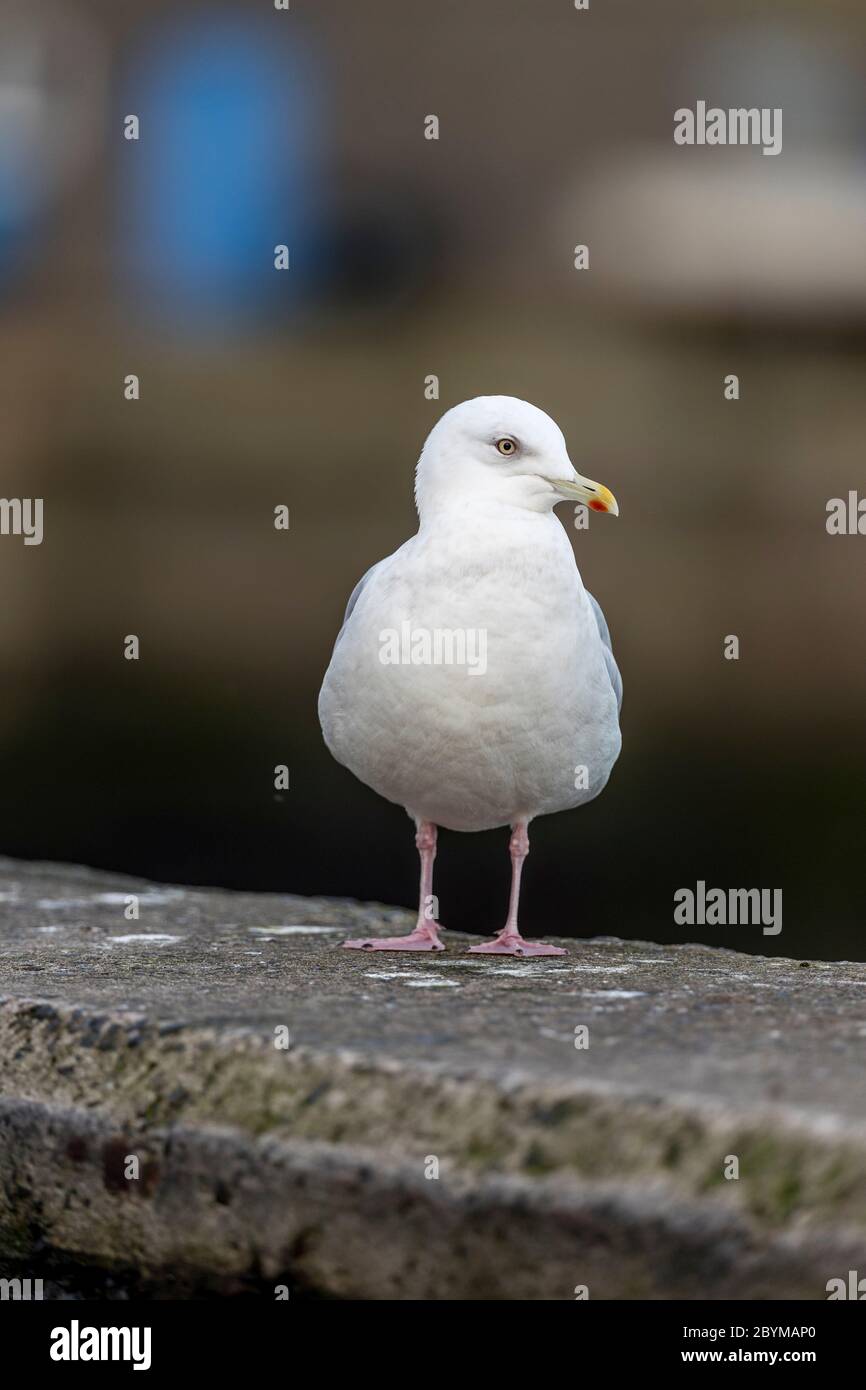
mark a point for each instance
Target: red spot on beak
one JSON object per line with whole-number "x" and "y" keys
{"x": 598, "y": 506}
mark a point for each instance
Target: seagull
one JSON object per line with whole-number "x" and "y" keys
{"x": 473, "y": 681}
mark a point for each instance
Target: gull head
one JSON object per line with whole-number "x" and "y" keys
{"x": 498, "y": 449}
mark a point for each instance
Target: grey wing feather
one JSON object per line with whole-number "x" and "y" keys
{"x": 604, "y": 634}
{"x": 356, "y": 594}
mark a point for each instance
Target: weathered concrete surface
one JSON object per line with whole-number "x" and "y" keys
{"x": 558, "y": 1167}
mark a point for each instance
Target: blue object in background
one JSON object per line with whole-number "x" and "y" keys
{"x": 228, "y": 165}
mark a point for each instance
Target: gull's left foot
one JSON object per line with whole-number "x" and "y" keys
{"x": 513, "y": 944}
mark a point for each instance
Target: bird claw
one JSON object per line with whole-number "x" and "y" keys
{"x": 516, "y": 946}
{"x": 416, "y": 941}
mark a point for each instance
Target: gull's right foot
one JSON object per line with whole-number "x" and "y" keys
{"x": 421, "y": 939}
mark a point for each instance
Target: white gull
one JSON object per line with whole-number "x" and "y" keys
{"x": 473, "y": 681}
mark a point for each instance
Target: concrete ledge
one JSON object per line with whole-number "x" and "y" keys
{"x": 331, "y": 1220}
{"x": 602, "y": 1166}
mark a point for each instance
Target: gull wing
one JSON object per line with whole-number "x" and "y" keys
{"x": 604, "y": 634}
{"x": 357, "y": 591}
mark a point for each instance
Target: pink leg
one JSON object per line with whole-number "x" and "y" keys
{"x": 509, "y": 942}
{"x": 425, "y": 937}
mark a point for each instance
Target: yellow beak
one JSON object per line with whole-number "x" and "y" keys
{"x": 596, "y": 496}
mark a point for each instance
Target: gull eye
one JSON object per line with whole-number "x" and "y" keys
{"x": 506, "y": 447}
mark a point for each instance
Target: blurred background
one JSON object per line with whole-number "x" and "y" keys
{"x": 306, "y": 388}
